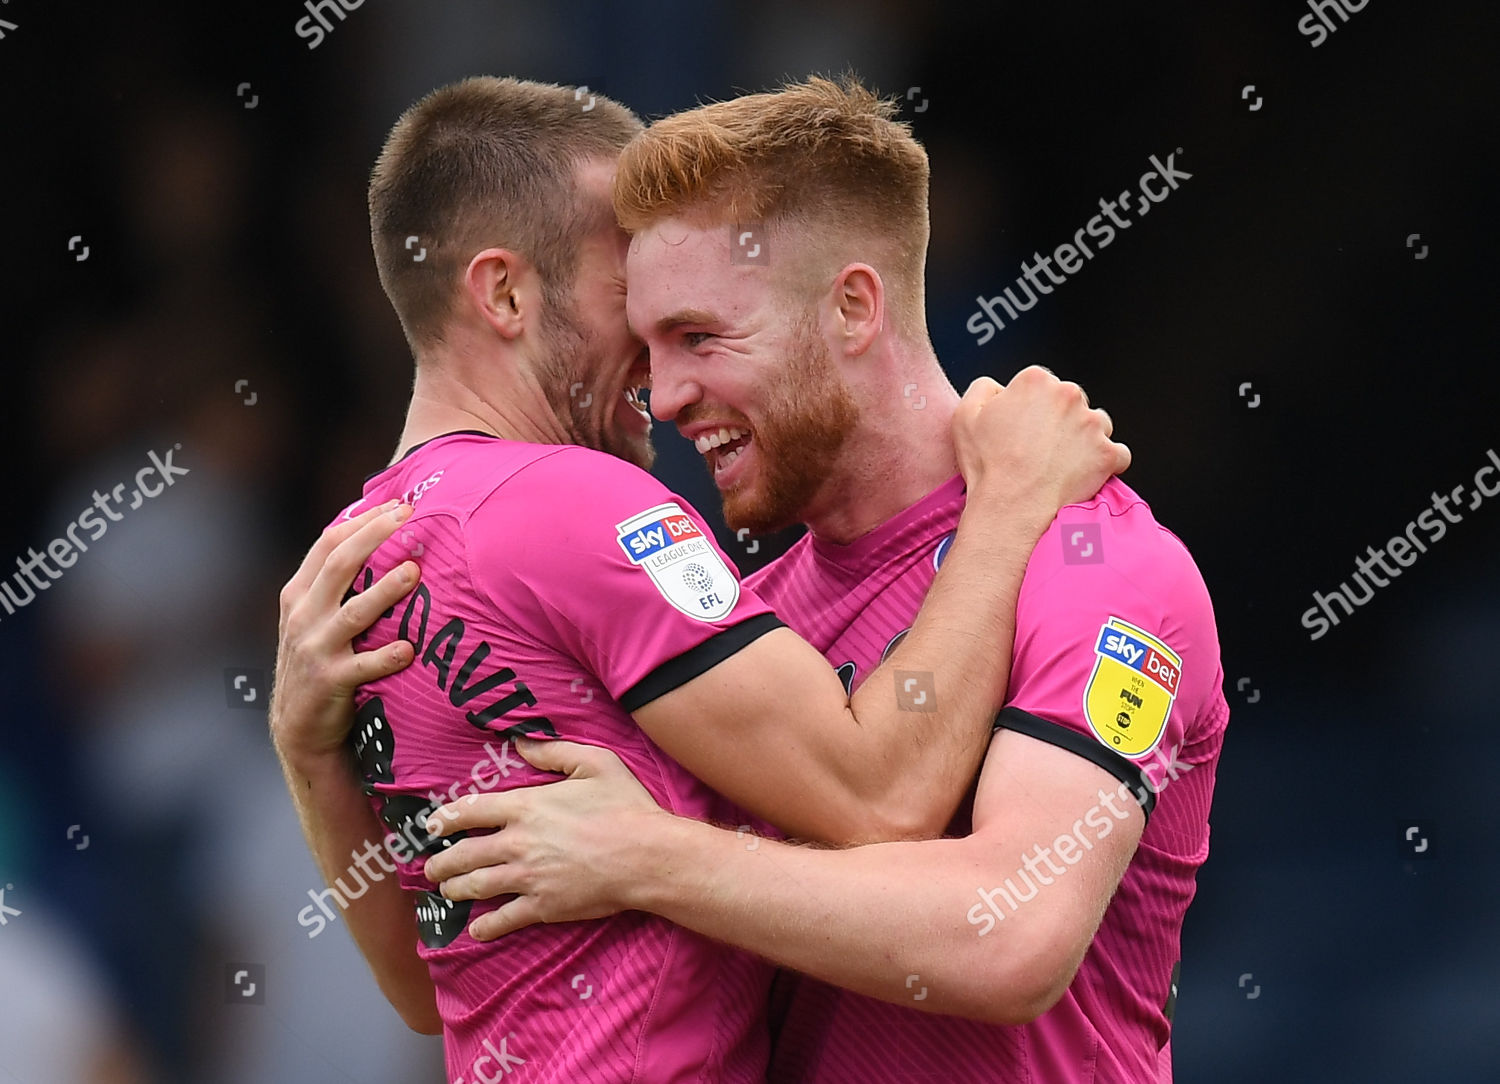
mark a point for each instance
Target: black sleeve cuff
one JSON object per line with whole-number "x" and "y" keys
{"x": 1126, "y": 771}
{"x": 679, "y": 671}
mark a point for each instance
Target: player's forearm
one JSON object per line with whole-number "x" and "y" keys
{"x": 950, "y": 673}
{"x": 339, "y": 826}
{"x": 867, "y": 918}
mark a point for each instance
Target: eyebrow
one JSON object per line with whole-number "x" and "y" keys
{"x": 683, "y": 316}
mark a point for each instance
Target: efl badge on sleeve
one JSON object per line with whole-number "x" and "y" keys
{"x": 1130, "y": 693}
{"x": 687, "y": 570}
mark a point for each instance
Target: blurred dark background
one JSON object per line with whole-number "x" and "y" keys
{"x": 228, "y": 304}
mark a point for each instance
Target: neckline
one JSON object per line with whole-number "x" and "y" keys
{"x": 415, "y": 448}
{"x": 872, "y": 546}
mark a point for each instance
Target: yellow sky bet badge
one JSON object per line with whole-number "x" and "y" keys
{"x": 1130, "y": 693}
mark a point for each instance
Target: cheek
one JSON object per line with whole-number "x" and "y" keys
{"x": 605, "y": 321}
{"x": 745, "y": 385}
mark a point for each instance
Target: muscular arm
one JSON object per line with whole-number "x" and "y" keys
{"x": 864, "y": 918}
{"x": 336, "y": 817}
{"x": 772, "y": 730}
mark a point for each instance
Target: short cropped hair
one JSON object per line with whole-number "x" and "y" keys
{"x": 480, "y": 163}
{"x": 822, "y": 157}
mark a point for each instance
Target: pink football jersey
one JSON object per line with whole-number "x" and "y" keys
{"x": 1116, "y": 659}
{"x": 561, "y": 589}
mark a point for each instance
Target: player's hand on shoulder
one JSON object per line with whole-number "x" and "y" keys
{"x": 1034, "y": 440}
{"x": 317, "y": 668}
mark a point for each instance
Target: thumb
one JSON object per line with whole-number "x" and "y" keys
{"x": 980, "y": 392}
{"x": 568, "y": 758}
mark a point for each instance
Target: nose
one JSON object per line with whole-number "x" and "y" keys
{"x": 672, "y": 387}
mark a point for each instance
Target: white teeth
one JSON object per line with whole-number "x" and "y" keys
{"x": 709, "y": 441}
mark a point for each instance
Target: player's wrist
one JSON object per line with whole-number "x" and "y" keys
{"x": 309, "y": 755}
{"x": 1008, "y": 513}
{"x": 312, "y": 736}
{"x": 657, "y": 863}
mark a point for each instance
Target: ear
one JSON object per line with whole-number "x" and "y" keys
{"x": 858, "y": 302}
{"x": 502, "y": 289}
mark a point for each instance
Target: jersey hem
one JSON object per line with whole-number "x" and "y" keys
{"x": 678, "y": 671}
{"x": 1034, "y": 726}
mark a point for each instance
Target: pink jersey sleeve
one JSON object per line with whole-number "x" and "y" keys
{"x": 625, "y": 574}
{"x": 1115, "y": 641}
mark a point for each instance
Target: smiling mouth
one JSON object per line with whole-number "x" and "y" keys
{"x": 722, "y": 447}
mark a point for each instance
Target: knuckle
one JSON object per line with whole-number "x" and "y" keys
{"x": 346, "y": 554}
{"x": 347, "y": 619}
{"x": 481, "y": 883}
{"x": 341, "y": 562}
{"x": 367, "y": 668}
